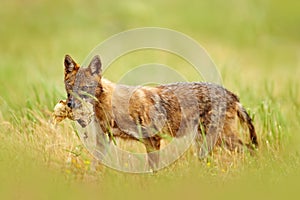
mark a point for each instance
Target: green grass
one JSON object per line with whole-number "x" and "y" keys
{"x": 254, "y": 43}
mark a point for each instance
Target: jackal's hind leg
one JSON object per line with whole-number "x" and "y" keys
{"x": 209, "y": 141}
{"x": 230, "y": 138}
{"x": 209, "y": 132}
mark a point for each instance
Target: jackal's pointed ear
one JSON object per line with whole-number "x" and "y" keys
{"x": 70, "y": 64}
{"x": 95, "y": 66}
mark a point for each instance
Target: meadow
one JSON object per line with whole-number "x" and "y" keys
{"x": 255, "y": 44}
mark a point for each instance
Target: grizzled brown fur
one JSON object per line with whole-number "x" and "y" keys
{"x": 141, "y": 113}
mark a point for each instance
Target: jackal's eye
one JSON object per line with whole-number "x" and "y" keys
{"x": 68, "y": 95}
{"x": 84, "y": 97}
{"x": 85, "y": 94}
{"x": 85, "y": 88}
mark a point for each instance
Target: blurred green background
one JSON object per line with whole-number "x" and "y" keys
{"x": 255, "y": 44}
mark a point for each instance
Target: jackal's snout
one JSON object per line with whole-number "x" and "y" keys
{"x": 72, "y": 103}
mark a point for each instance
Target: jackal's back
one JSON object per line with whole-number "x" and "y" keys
{"x": 187, "y": 104}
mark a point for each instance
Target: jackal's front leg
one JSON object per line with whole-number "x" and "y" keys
{"x": 152, "y": 145}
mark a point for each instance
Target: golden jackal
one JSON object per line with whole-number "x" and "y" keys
{"x": 142, "y": 113}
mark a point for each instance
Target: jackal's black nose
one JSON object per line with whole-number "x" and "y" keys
{"x": 70, "y": 104}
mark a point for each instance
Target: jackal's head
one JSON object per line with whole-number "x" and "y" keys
{"x": 81, "y": 84}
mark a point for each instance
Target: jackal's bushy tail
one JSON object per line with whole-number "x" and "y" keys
{"x": 245, "y": 118}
